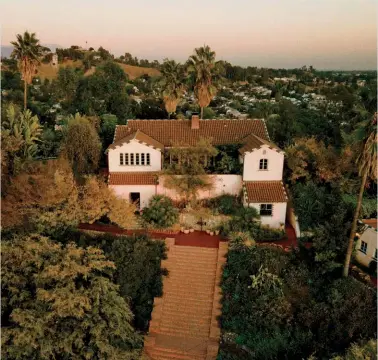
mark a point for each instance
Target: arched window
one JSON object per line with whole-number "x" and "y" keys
{"x": 263, "y": 164}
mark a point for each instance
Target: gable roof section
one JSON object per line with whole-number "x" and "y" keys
{"x": 133, "y": 178}
{"x": 252, "y": 142}
{"x": 139, "y": 136}
{"x": 265, "y": 192}
{"x": 171, "y": 132}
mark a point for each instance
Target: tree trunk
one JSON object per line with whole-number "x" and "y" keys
{"x": 201, "y": 113}
{"x": 169, "y": 116}
{"x": 25, "y": 93}
{"x": 354, "y": 224}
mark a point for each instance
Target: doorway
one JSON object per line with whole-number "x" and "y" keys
{"x": 135, "y": 199}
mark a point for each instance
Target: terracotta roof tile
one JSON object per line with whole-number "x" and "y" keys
{"x": 252, "y": 142}
{"x": 371, "y": 222}
{"x": 265, "y": 191}
{"x": 170, "y": 132}
{"x": 133, "y": 178}
{"x": 141, "y": 137}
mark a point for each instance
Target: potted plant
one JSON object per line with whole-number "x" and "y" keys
{"x": 211, "y": 233}
{"x": 191, "y": 230}
{"x": 207, "y": 231}
{"x": 186, "y": 231}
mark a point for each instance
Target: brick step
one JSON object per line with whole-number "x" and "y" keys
{"x": 176, "y": 331}
{"x": 172, "y": 299}
{"x": 170, "y": 285}
{"x": 185, "y": 325}
{"x": 193, "y": 264}
{"x": 190, "y": 299}
{"x": 191, "y": 276}
{"x": 194, "y": 248}
{"x": 193, "y": 269}
{"x": 190, "y": 350}
{"x": 158, "y": 354}
{"x": 172, "y": 310}
{"x": 194, "y": 257}
{"x": 187, "y": 318}
{"x": 190, "y": 295}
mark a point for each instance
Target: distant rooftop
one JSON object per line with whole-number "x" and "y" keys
{"x": 371, "y": 222}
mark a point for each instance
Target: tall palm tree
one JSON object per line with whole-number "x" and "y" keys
{"x": 366, "y": 135}
{"x": 28, "y": 52}
{"x": 202, "y": 66}
{"x": 172, "y": 82}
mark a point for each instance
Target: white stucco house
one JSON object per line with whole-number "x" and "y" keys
{"x": 136, "y": 161}
{"x": 367, "y": 242}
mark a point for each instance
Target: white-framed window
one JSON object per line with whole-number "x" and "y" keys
{"x": 263, "y": 164}
{"x": 148, "y": 159}
{"x": 137, "y": 159}
{"x": 363, "y": 247}
{"x": 126, "y": 158}
{"x": 131, "y": 159}
{"x": 266, "y": 209}
{"x": 121, "y": 159}
{"x": 142, "y": 158}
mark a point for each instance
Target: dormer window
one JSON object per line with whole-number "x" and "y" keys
{"x": 263, "y": 164}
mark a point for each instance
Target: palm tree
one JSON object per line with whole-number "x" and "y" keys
{"x": 173, "y": 75}
{"x": 28, "y": 52}
{"x": 202, "y": 65}
{"x": 366, "y": 135}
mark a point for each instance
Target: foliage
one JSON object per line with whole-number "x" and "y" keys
{"x": 81, "y": 144}
{"x": 138, "y": 270}
{"x": 108, "y": 125}
{"x": 367, "y": 351}
{"x": 47, "y": 198}
{"x": 226, "y": 204}
{"x": 160, "y": 212}
{"x": 172, "y": 82}
{"x": 59, "y": 301}
{"x": 66, "y": 83}
{"x": 274, "y": 306}
{"x": 368, "y": 206}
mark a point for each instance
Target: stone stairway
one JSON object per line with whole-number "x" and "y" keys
{"x": 184, "y": 321}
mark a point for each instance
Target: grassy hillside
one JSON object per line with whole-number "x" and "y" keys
{"x": 46, "y": 71}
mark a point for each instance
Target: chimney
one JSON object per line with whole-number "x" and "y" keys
{"x": 195, "y": 121}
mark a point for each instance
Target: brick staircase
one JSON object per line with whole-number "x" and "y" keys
{"x": 184, "y": 321}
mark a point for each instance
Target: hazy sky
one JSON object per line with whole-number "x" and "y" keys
{"x": 332, "y": 34}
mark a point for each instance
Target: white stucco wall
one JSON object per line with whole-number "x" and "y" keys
{"x": 370, "y": 237}
{"x": 223, "y": 184}
{"x": 278, "y": 214}
{"x": 252, "y": 162}
{"x": 134, "y": 147}
{"x": 146, "y": 192}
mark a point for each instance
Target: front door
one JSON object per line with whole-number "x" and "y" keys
{"x": 135, "y": 198}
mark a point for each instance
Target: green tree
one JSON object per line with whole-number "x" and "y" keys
{"x": 366, "y": 136}
{"x": 28, "y": 52}
{"x": 81, "y": 144}
{"x": 172, "y": 82}
{"x": 160, "y": 212}
{"x": 59, "y": 302}
{"x": 202, "y": 66}
{"x": 67, "y": 83}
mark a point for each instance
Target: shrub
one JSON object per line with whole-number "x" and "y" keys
{"x": 226, "y": 204}
{"x": 161, "y": 212}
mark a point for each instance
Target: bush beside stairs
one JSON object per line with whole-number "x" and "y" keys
{"x": 184, "y": 321}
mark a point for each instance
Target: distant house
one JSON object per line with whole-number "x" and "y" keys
{"x": 138, "y": 155}
{"x": 367, "y": 243}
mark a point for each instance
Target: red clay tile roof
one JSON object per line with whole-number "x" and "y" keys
{"x": 371, "y": 222}
{"x": 141, "y": 137}
{"x": 133, "y": 178}
{"x": 171, "y": 132}
{"x": 252, "y": 142}
{"x": 265, "y": 191}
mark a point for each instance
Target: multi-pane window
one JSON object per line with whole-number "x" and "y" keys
{"x": 263, "y": 164}
{"x": 266, "y": 209}
{"x": 134, "y": 159}
{"x": 363, "y": 247}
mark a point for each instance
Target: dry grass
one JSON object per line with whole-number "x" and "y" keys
{"x": 47, "y": 71}
{"x": 133, "y": 72}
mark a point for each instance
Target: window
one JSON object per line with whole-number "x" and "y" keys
{"x": 264, "y": 164}
{"x": 126, "y": 159}
{"x": 131, "y": 159}
{"x": 266, "y": 209}
{"x": 363, "y": 247}
{"x": 136, "y": 159}
{"x": 121, "y": 159}
{"x": 142, "y": 156}
{"x": 375, "y": 255}
{"x": 148, "y": 158}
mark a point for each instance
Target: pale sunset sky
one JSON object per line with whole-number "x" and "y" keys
{"x": 328, "y": 34}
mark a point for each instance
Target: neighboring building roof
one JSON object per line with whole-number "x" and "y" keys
{"x": 252, "y": 142}
{"x": 133, "y": 178}
{"x": 371, "y": 222}
{"x": 265, "y": 192}
{"x": 139, "y": 136}
{"x": 171, "y": 132}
